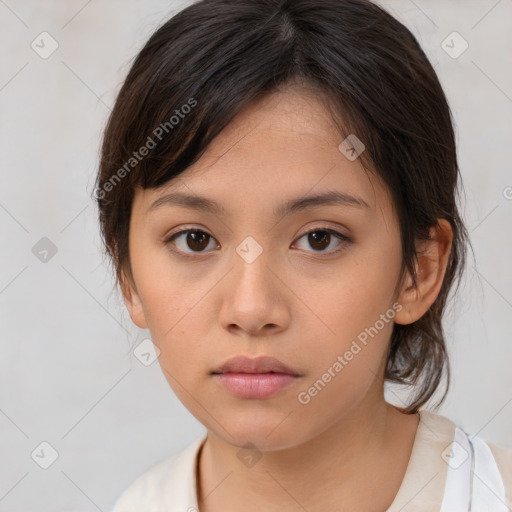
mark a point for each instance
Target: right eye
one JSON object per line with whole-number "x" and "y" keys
{"x": 194, "y": 239}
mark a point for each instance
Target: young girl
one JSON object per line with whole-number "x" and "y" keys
{"x": 277, "y": 192}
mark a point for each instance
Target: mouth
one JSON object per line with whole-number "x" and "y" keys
{"x": 256, "y": 378}
{"x": 257, "y": 365}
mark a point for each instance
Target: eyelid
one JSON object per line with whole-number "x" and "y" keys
{"x": 331, "y": 230}
{"x": 184, "y": 227}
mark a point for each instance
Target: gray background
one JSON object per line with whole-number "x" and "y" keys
{"x": 67, "y": 374}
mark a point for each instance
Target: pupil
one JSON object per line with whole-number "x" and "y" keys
{"x": 316, "y": 240}
{"x": 198, "y": 240}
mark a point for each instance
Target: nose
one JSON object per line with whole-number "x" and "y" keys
{"x": 254, "y": 300}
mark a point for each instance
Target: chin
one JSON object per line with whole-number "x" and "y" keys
{"x": 266, "y": 432}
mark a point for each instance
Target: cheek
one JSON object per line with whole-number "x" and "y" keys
{"x": 168, "y": 302}
{"x": 357, "y": 315}
{"x": 179, "y": 315}
{"x": 168, "y": 290}
{"x": 177, "y": 322}
{"x": 356, "y": 298}
{"x": 353, "y": 352}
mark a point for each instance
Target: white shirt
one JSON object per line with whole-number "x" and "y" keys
{"x": 449, "y": 471}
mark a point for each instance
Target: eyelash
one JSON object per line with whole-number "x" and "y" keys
{"x": 342, "y": 238}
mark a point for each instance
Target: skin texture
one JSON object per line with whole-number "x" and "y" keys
{"x": 347, "y": 447}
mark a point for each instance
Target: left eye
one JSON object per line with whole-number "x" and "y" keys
{"x": 197, "y": 241}
{"x": 320, "y": 239}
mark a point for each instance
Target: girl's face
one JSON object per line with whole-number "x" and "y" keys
{"x": 254, "y": 283}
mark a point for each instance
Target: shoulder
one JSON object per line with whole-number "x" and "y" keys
{"x": 168, "y": 484}
{"x": 503, "y": 458}
{"x": 493, "y": 461}
{"x": 147, "y": 486}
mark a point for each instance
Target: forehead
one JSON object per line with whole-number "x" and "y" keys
{"x": 282, "y": 146}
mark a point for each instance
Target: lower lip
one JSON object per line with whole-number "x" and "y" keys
{"x": 255, "y": 385}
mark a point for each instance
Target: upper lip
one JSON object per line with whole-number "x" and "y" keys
{"x": 261, "y": 364}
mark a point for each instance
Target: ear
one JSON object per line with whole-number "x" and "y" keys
{"x": 132, "y": 300}
{"x": 433, "y": 257}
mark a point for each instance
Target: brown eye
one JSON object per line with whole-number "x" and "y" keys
{"x": 196, "y": 240}
{"x": 320, "y": 239}
{"x": 190, "y": 240}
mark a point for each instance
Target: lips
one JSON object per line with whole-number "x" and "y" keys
{"x": 262, "y": 364}
{"x": 255, "y": 386}
{"x": 255, "y": 378}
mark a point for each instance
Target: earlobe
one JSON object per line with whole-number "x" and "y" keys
{"x": 433, "y": 256}
{"x": 133, "y": 301}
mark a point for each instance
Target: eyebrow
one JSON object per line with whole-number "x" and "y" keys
{"x": 205, "y": 204}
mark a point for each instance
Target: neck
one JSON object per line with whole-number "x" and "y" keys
{"x": 368, "y": 445}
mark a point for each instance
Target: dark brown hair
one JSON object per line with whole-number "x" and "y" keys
{"x": 215, "y": 57}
